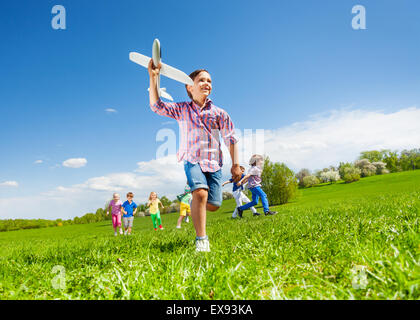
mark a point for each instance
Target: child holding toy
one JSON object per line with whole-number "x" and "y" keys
{"x": 239, "y": 196}
{"x": 201, "y": 124}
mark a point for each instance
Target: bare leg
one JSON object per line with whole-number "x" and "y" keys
{"x": 198, "y": 211}
{"x": 178, "y": 224}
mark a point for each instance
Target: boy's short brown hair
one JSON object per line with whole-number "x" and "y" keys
{"x": 130, "y": 194}
{"x": 193, "y": 75}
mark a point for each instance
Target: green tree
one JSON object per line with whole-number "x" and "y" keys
{"x": 410, "y": 159}
{"x": 392, "y": 161}
{"x": 343, "y": 166}
{"x": 373, "y": 155}
{"x": 351, "y": 174}
{"x": 278, "y": 182}
{"x": 165, "y": 201}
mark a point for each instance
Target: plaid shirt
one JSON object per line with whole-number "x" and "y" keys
{"x": 200, "y": 129}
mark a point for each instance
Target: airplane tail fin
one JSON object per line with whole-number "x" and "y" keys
{"x": 163, "y": 93}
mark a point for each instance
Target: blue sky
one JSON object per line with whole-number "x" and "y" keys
{"x": 273, "y": 64}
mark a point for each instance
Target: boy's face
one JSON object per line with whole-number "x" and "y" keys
{"x": 202, "y": 86}
{"x": 130, "y": 198}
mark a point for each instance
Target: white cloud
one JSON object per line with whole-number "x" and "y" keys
{"x": 38, "y": 161}
{"x": 13, "y": 184}
{"x": 321, "y": 141}
{"x": 75, "y": 163}
{"x": 341, "y": 136}
{"x": 110, "y": 110}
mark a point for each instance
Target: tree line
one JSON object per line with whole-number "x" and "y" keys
{"x": 99, "y": 215}
{"x": 369, "y": 163}
{"x": 278, "y": 181}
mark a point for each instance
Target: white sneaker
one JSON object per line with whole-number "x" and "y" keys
{"x": 235, "y": 214}
{"x": 187, "y": 220}
{"x": 125, "y": 232}
{"x": 115, "y": 233}
{"x": 202, "y": 245}
{"x": 121, "y": 232}
{"x": 178, "y": 227}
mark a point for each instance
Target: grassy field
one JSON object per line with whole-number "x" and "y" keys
{"x": 341, "y": 241}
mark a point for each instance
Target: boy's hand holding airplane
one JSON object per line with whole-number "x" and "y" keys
{"x": 153, "y": 71}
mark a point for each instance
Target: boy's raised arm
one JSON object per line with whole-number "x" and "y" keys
{"x": 167, "y": 109}
{"x": 153, "y": 74}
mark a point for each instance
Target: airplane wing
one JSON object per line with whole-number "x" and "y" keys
{"x": 166, "y": 70}
{"x": 140, "y": 59}
{"x": 175, "y": 74}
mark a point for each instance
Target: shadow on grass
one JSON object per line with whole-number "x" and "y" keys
{"x": 104, "y": 225}
{"x": 173, "y": 245}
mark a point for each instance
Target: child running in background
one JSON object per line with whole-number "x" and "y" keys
{"x": 129, "y": 209}
{"x": 239, "y": 195}
{"x": 184, "y": 205}
{"x": 154, "y": 210}
{"x": 254, "y": 185}
{"x": 115, "y": 205}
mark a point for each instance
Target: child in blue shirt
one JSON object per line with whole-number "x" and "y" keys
{"x": 239, "y": 196}
{"x": 128, "y": 209}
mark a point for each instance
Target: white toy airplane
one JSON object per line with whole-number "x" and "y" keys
{"x": 165, "y": 70}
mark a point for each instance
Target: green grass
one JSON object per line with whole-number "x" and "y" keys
{"x": 311, "y": 249}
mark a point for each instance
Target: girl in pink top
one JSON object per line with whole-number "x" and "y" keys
{"x": 115, "y": 205}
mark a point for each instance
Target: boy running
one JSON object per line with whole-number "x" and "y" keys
{"x": 239, "y": 195}
{"x": 254, "y": 185}
{"x": 129, "y": 209}
{"x": 201, "y": 123}
{"x": 184, "y": 205}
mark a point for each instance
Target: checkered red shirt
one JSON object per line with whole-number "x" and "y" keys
{"x": 200, "y": 129}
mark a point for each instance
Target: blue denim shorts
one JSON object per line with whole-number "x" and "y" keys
{"x": 212, "y": 181}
